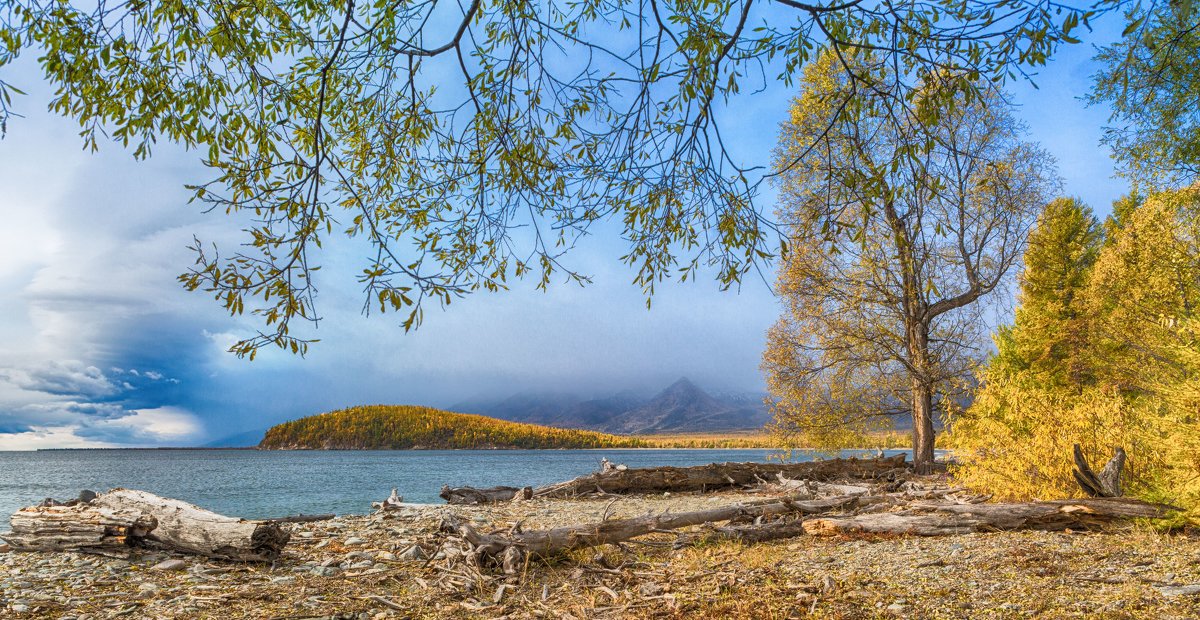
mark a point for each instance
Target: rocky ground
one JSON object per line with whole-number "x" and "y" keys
{"x": 386, "y": 566}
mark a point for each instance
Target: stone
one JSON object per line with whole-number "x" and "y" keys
{"x": 173, "y": 564}
{"x": 897, "y": 608}
{"x": 650, "y": 589}
{"x": 283, "y": 580}
{"x": 413, "y": 554}
{"x": 352, "y": 541}
{"x": 1173, "y": 591}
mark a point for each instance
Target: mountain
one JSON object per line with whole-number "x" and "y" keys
{"x": 684, "y": 407}
{"x": 680, "y": 408}
{"x": 404, "y": 427}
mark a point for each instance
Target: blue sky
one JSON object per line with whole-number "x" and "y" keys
{"x": 103, "y": 348}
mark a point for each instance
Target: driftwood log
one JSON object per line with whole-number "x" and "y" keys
{"x": 950, "y": 519}
{"x": 1105, "y": 484}
{"x": 393, "y": 502}
{"x": 112, "y": 523}
{"x": 621, "y": 480}
{"x": 717, "y": 476}
{"x": 511, "y": 550}
{"x": 494, "y": 495}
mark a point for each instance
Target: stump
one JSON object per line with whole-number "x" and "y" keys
{"x": 114, "y": 522}
{"x": 1105, "y": 484}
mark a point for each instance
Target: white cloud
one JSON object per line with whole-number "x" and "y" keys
{"x": 41, "y": 438}
{"x": 149, "y": 426}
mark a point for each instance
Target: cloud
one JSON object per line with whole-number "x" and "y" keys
{"x": 86, "y": 425}
{"x": 145, "y": 427}
{"x": 138, "y": 428}
{"x": 69, "y": 378}
{"x": 73, "y": 404}
{"x": 40, "y": 438}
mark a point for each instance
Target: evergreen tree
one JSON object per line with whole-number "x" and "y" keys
{"x": 1132, "y": 325}
{"x": 1048, "y": 339}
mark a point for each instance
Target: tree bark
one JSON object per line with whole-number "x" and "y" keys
{"x": 122, "y": 519}
{"x": 923, "y": 434}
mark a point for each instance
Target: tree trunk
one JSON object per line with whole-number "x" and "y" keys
{"x": 922, "y": 430}
{"x": 114, "y": 522}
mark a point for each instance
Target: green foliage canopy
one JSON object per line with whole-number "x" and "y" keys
{"x": 468, "y": 144}
{"x": 1150, "y": 80}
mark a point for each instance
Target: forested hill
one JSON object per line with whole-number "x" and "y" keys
{"x": 404, "y": 427}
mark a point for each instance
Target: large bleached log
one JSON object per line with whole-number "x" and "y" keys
{"x": 510, "y": 550}
{"x": 950, "y": 519}
{"x": 114, "y": 522}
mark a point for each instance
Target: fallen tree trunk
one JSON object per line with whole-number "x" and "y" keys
{"x": 511, "y": 550}
{"x": 714, "y": 477}
{"x": 121, "y": 519}
{"x": 949, "y": 519}
{"x": 773, "y": 530}
{"x": 494, "y": 495}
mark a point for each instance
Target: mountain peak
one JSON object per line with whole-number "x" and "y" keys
{"x": 683, "y": 385}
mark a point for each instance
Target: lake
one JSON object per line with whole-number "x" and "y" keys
{"x": 261, "y": 484}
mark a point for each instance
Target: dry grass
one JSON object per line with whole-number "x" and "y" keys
{"x": 725, "y": 440}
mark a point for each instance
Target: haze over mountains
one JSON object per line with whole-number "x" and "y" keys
{"x": 680, "y": 408}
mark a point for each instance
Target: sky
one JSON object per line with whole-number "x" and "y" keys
{"x": 101, "y": 347}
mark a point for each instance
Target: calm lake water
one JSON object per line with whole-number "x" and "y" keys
{"x": 261, "y": 484}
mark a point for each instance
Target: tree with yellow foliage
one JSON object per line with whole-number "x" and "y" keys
{"x": 898, "y": 226}
{"x": 1141, "y": 354}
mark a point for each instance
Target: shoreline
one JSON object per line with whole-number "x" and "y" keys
{"x": 365, "y": 567}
